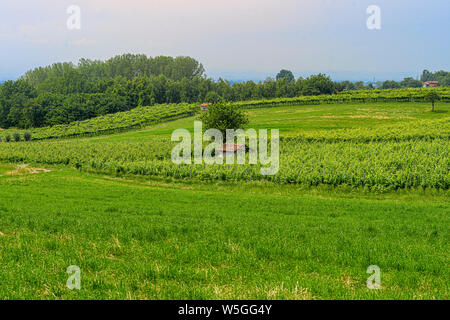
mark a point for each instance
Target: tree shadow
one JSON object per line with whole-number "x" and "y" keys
{"x": 439, "y": 111}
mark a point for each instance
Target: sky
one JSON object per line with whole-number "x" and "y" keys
{"x": 234, "y": 39}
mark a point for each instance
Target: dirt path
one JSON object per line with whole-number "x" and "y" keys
{"x": 24, "y": 169}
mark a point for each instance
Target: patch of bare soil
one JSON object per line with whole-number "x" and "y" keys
{"x": 369, "y": 117}
{"x": 25, "y": 169}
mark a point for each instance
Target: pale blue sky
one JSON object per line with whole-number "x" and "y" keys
{"x": 234, "y": 38}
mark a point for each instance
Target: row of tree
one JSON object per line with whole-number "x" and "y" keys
{"x": 442, "y": 77}
{"x": 64, "y": 92}
{"x": 24, "y": 105}
{"x": 70, "y": 78}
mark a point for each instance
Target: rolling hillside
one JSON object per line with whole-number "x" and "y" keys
{"x": 358, "y": 185}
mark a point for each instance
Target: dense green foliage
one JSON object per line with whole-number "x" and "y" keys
{"x": 16, "y": 136}
{"x": 27, "y": 136}
{"x": 21, "y": 106}
{"x": 64, "y": 92}
{"x": 70, "y": 78}
{"x": 443, "y": 77}
{"x": 223, "y": 117}
{"x": 67, "y": 95}
{"x": 285, "y": 74}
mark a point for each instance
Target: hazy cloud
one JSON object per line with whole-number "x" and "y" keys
{"x": 233, "y": 35}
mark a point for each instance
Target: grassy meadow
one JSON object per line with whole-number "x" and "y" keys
{"x": 359, "y": 185}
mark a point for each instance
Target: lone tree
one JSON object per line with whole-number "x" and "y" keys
{"x": 285, "y": 74}
{"x": 432, "y": 96}
{"x": 222, "y": 117}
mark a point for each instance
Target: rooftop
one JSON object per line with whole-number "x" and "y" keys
{"x": 230, "y": 147}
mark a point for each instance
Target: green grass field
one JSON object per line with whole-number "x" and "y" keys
{"x": 138, "y": 236}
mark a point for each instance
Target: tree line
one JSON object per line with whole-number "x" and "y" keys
{"x": 67, "y": 92}
{"x": 443, "y": 77}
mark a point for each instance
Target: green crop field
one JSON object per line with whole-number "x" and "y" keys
{"x": 359, "y": 184}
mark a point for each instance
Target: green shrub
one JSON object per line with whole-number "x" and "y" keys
{"x": 16, "y": 136}
{"x": 7, "y": 138}
{"x": 27, "y": 136}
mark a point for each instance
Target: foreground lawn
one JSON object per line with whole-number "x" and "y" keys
{"x": 160, "y": 240}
